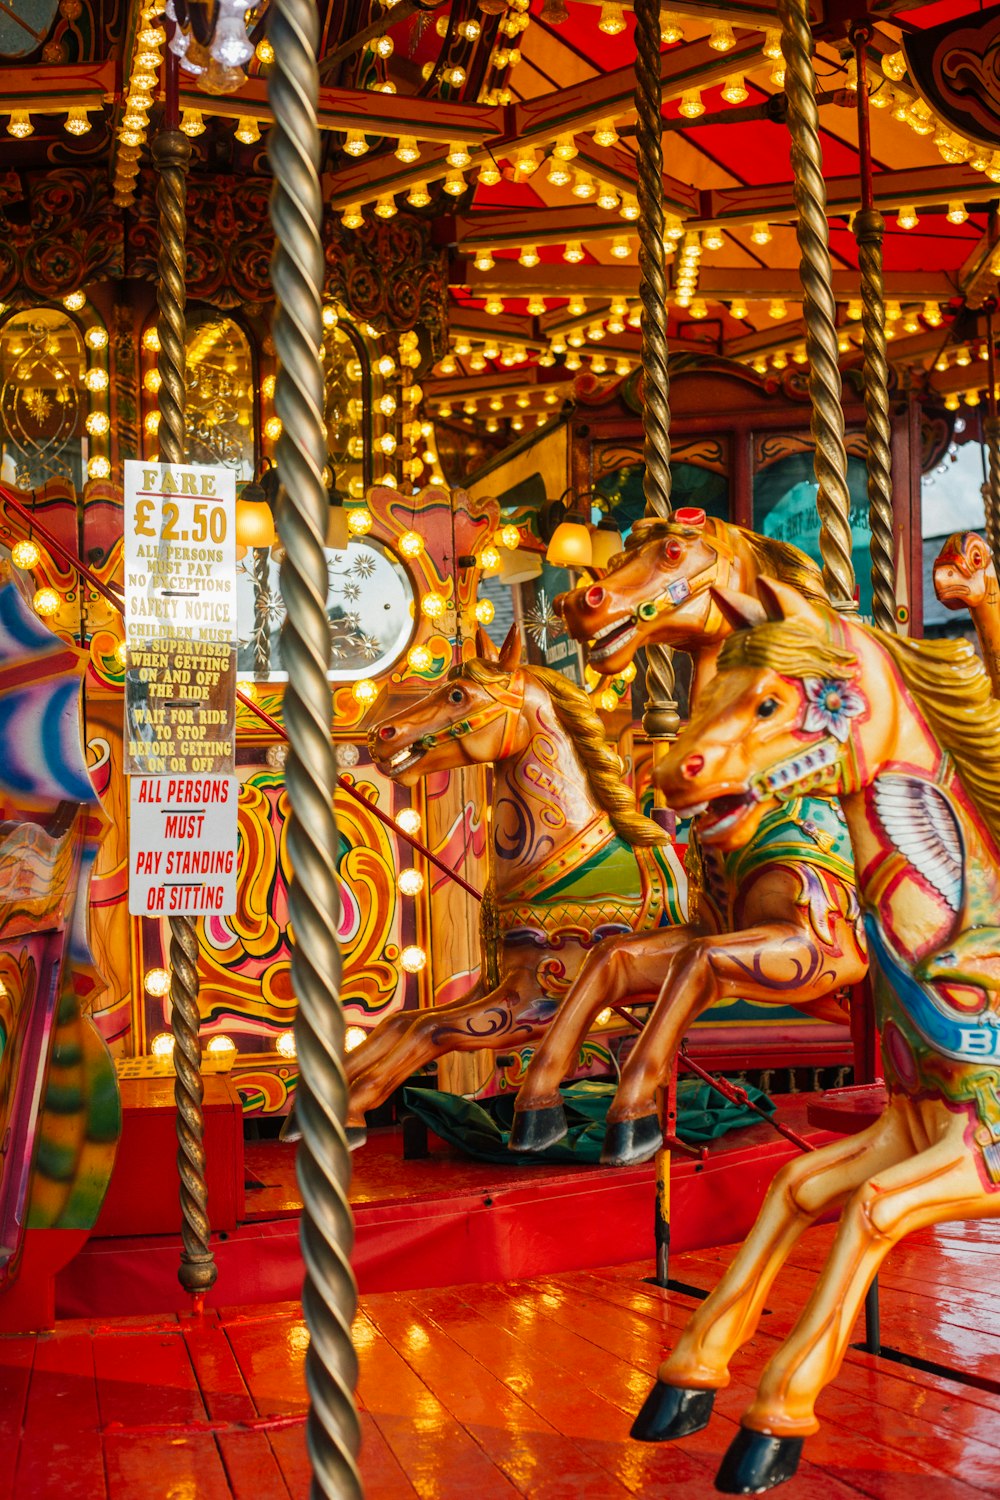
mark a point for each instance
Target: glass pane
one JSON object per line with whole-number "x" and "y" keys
{"x": 691, "y": 485}
{"x": 346, "y": 423}
{"x": 220, "y": 424}
{"x": 42, "y": 399}
{"x": 784, "y": 506}
{"x": 369, "y": 604}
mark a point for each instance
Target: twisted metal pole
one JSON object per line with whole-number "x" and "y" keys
{"x": 660, "y": 719}
{"x": 329, "y": 1296}
{"x": 869, "y": 231}
{"x": 833, "y": 502}
{"x": 991, "y": 437}
{"x": 171, "y": 157}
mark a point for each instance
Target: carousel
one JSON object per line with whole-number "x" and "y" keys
{"x": 499, "y": 818}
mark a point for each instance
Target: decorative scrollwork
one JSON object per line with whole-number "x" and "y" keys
{"x": 70, "y": 236}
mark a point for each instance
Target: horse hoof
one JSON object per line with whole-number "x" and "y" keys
{"x": 356, "y": 1136}
{"x": 630, "y": 1141}
{"x": 756, "y": 1462}
{"x": 537, "y": 1129}
{"x": 671, "y": 1411}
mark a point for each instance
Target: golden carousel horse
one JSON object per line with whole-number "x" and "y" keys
{"x": 572, "y": 859}
{"x": 907, "y": 735}
{"x": 776, "y": 921}
{"x": 965, "y": 578}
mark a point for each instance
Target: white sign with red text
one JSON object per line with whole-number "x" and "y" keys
{"x": 182, "y": 846}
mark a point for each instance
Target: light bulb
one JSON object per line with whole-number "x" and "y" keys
{"x": 162, "y": 1044}
{"x": 721, "y": 38}
{"x": 78, "y": 122}
{"x": 691, "y": 106}
{"x": 385, "y": 46}
{"x": 932, "y": 314}
{"x": 713, "y": 239}
{"x": 433, "y": 606}
{"x": 734, "y": 90}
{"x": 192, "y": 123}
{"x": 19, "y": 125}
{"x": 485, "y": 611}
{"x": 454, "y": 184}
{"x": 490, "y": 174}
{"x": 410, "y": 881}
{"x": 529, "y": 256}
{"x": 352, "y": 217}
{"x": 98, "y": 467}
{"x": 894, "y": 66}
{"x": 671, "y": 30}
{"x": 355, "y": 143}
{"x": 605, "y": 134}
{"x": 359, "y": 520}
{"x": 494, "y": 306}
{"x": 385, "y": 207}
{"x": 738, "y": 308}
{"x": 413, "y": 959}
{"x": 573, "y": 252}
{"x": 957, "y": 213}
{"x": 907, "y": 217}
{"x": 526, "y": 162}
{"x": 411, "y": 544}
{"x": 96, "y": 380}
{"x": 364, "y": 691}
{"x": 458, "y": 156}
{"x": 698, "y": 308}
{"x": 220, "y": 1043}
{"x": 630, "y": 207}
{"x": 45, "y": 602}
{"x": 407, "y": 149}
{"x": 612, "y": 20}
{"x": 419, "y": 659}
{"x": 761, "y": 233}
{"x": 536, "y": 306}
{"x": 418, "y": 196}
{"x": 265, "y": 52}
{"x": 565, "y": 148}
{"x": 25, "y": 554}
{"x": 621, "y": 246}
{"x": 607, "y": 197}
{"x": 583, "y": 185}
{"x": 247, "y": 131}
{"x": 98, "y": 423}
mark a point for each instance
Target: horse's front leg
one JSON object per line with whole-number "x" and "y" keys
{"x": 804, "y": 1188}
{"x": 783, "y": 962}
{"x": 503, "y": 1017}
{"x": 612, "y": 971}
{"x": 941, "y": 1182}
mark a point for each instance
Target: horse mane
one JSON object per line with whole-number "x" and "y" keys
{"x": 773, "y": 558}
{"x": 600, "y": 763}
{"x": 945, "y": 678}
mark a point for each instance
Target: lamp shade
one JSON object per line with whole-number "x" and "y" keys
{"x": 520, "y": 566}
{"x": 254, "y": 523}
{"x": 606, "y": 543}
{"x": 570, "y": 546}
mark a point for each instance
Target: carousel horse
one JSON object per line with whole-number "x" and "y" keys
{"x": 572, "y": 858}
{"x": 965, "y": 578}
{"x": 907, "y": 735}
{"x": 59, "y": 1106}
{"x": 773, "y": 922}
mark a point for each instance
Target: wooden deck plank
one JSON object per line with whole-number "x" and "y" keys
{"x": 61, "y": 1447}
{"x": 146, "y": 1379}
{"x": 270, "y": 1353}
{"x": 220, "y": 1380}
{"x": 252, "y": 1468}
{"x": 16, "y": 1356}
{"x": 142, "y": 1467}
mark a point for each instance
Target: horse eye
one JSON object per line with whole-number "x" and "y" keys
{"x": 673, "y": 550}
{"x": 456, "y": 696}
{"x": 766, "y": 708}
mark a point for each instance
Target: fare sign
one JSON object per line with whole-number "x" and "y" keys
{"x": 180, "y": 619}
{"x": 182, "y": 846}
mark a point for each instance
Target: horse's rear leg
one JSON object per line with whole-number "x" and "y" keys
{"x": 940, "y": 1183}
{"x": 388, "y": 1034}
{"x": 615, "y": 969}
{"x": 802, "y": 1190}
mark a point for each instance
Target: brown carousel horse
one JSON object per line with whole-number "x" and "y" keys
{"x": 774, "y": 922}
{"x": 907, "y": 736}
{"x": 572, "y": 858}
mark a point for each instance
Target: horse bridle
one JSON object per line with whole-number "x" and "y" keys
{"x": 507, "y": 702}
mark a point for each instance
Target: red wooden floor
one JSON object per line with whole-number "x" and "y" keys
{"x": 491, "y": 1392}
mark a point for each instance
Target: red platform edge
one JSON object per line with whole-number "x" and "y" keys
{"x": 553, "y": 1221}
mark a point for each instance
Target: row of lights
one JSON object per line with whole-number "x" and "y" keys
{"x": 77, "y": 122}
{"x": 143, "y": 80}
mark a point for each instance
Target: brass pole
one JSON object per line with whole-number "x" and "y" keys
{"x": 660, "y": 720}
{"x": 171, "y": 157}
{"x": 833, "y": 501}
{"x": 329, "y": 1295}
{"x": 869, "y": 230}
{"x": 991, "y": 435}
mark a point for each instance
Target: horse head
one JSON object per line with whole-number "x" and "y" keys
{"x": 775, "y": 723}
{"x": 962, "y": 571}
{"x": 473, "y": 718}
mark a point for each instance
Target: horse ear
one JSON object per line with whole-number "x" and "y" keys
{"x": 485, "y": 649}
{"x": 510, "y": 651}
{"x": 782, "y": 602}
{"x": 741, "y": 611}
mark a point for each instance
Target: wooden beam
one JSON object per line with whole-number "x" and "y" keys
{"x": 364, "y": 109}
{"x": 538, "y": 226}
{"x": 51, "y": 88}
{"x": 718, "y": 283}
{"x": 771, "y": 202}
{"x": 977, "y": 279}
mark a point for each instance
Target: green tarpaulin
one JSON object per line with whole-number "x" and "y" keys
{"x": 482, "y": 1130}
